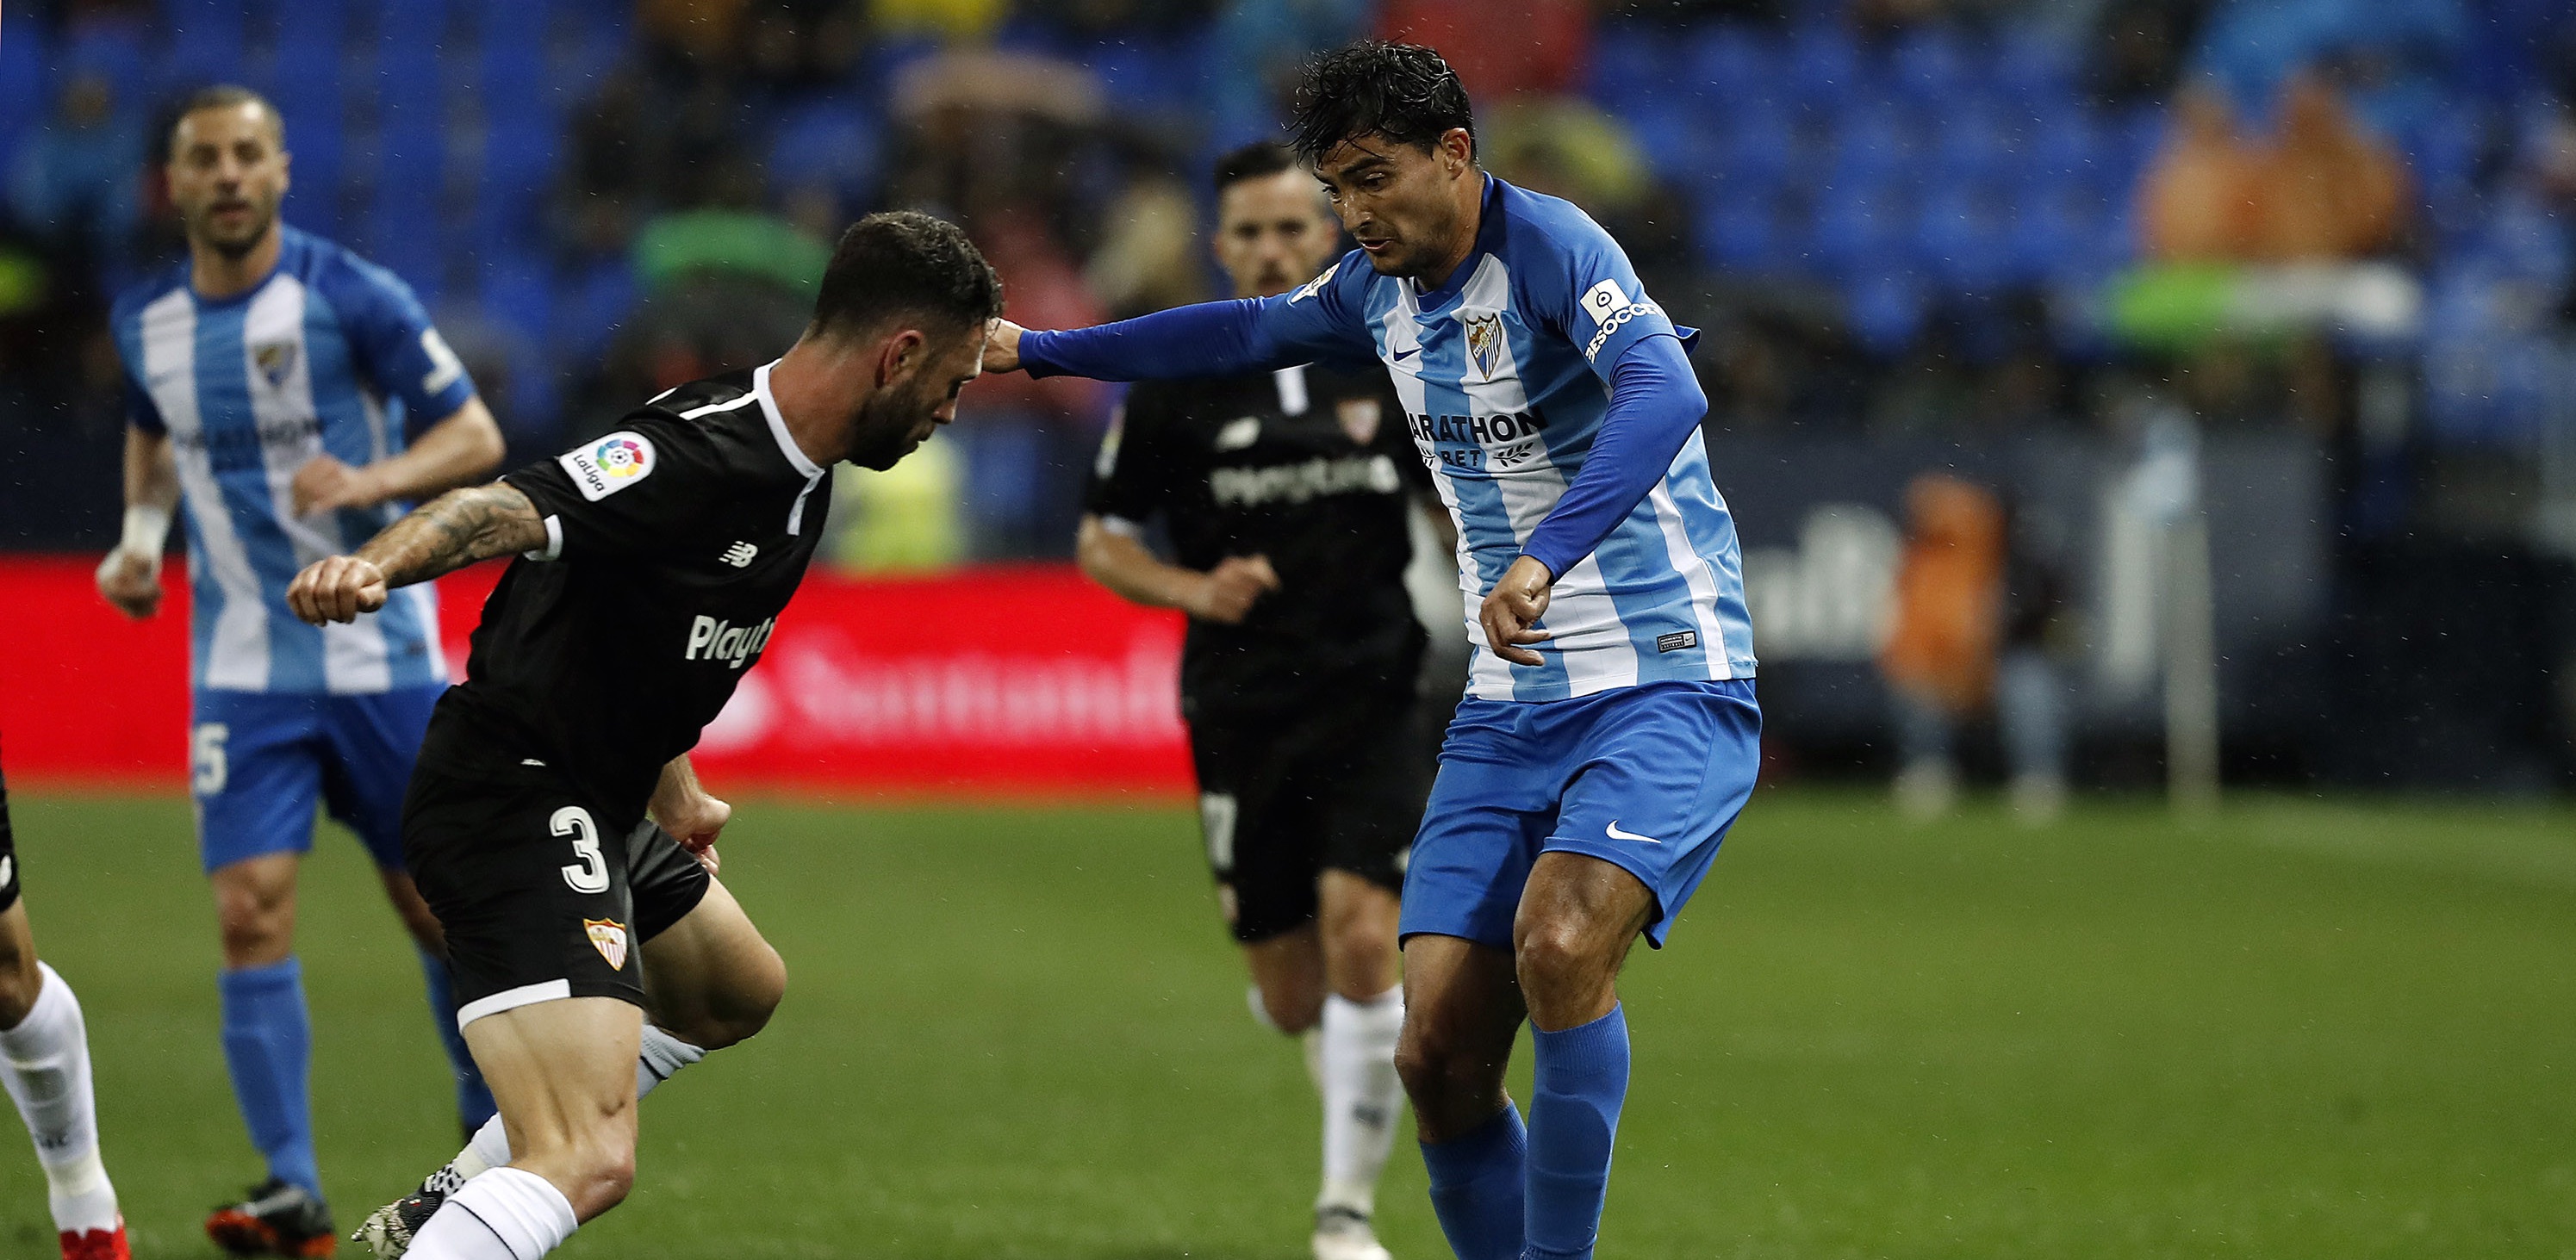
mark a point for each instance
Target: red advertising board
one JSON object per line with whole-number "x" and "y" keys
{"x": 1024, "y": 680}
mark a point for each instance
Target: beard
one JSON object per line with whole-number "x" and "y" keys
{"x": 886, "y": 428}
{"x": 237, "y": 248}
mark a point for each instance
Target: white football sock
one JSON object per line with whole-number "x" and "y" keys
{"x": 44, "y": 1062}
{"x": 505, "y": 1214}
{"x": 1362, "y": 1096}
{"x": 661, "y": 1055}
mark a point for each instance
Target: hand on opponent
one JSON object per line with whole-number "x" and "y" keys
{"x": 1228, "y": 591}
{"x": 1513, "y": 609}
{"x": 336, "y": 588}
{"x": 1002, "y": 346}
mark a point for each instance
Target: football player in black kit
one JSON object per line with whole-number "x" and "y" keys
{"x": 552, "y": 813}
{"x": 1285, "y": 496}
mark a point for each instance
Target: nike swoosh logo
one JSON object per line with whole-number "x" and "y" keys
{"x": 1617, "y": 834}
{"x": 1401, "y": 355}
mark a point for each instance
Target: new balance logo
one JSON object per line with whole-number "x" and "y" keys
{"x": 739, "y": 555}
{"x": 1614, "y": 833}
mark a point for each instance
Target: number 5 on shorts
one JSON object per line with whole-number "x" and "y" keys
{"x": 590, "y": 875}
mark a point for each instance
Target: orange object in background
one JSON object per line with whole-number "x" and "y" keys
{"x": 1949, "y": 595}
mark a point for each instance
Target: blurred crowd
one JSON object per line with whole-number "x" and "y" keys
{"x": 1962, "y": 218}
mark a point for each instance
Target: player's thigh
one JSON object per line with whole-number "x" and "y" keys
{"x": 711, "y": 979}
{"x": 531, "y": 887}
{"x": 1370, "y": 781}
{"x": 1492, "y": 802}
{"x": 255, "y": 772}
{"x": 369, "y": 743}
{"x": 1665, "y": 771}
{"x": 1259, "y": 824}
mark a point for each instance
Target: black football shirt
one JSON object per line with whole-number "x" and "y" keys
{"x": 1308, "y": 466}
{"x": 672, "y": 545}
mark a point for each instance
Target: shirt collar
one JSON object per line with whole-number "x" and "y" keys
{"x": 778, "y": 425}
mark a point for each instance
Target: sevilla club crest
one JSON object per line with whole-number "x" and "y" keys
{"x": 608, "y": 936}
{"x": 1359, "y": 417}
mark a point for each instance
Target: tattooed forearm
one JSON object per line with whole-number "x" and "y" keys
{"x": 454, "y": 530}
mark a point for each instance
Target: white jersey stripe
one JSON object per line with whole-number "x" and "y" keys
{"x": 235, "y": 654}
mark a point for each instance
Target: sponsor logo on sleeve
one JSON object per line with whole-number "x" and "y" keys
{"x": 1610, "y": 309}
{"x": 1604, "y": 298}
{"x": 610, "y": 464}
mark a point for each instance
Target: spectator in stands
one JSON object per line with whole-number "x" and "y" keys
{"x": 1149, "y": 254}
{"x": 2199, "y": 202}
{"x": 1260, "y": 44}
{"x": 1939, "y": 659}
{"x": 2330, "y": 191}
{"x": 75, "y": 186}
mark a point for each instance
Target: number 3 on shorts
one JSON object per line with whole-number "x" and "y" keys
{"x": 590, "y": 875}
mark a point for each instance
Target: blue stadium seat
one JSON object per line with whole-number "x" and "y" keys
{"x": 113, "y": 51}
{"x": 592, "y": 308}
{"x": 24, "y": 83}
{"x": 1733, "y": 69}
{"x": 1823, "y": 67}
{"x": 409, "y": 24}
{"x": 2036, "y": 68}
{"x": 1632, "y": 64}
{"x": 1859, "y": 228}
{"x": 1755, "y": 146}
{"x": 1874, "y": 145}
{"x": 1934, "y": 65}
{"x": 1741, "y": 231}
{"x": 1975, "y": 145}
{"x": 206, "y": 43}
{"x": 512, "y": 24}
{"x": 839, "y": 142}
{"x": 1961, "y": 237}
{"x": 1886, "y": 310}
{"x": 323, "y": 23}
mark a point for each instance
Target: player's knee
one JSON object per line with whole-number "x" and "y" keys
{"x": 604, "y": 1175}
{"x": 1553, "y": 956}
{"x": 20, "y": 982}
{"x": 1292, "y": 1009}
{"x": 763, "y": 987}
{"x": 257, "y": 923}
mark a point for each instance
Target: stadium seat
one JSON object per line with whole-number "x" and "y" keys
{"x": 206, "y": 43}
{"x": 24, "y": 83}
{"x": 1741, "y": 232}
{"x": 512, "y": 24}
{"x": 836, "y": 141}
{"x": 1886, "y": 311}
{"x": 1733, "y": 69}
{"x": 114, "y": 51}
{"x": 1631, "y": 65}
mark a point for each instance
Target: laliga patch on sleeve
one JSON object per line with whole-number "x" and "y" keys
{"x": 1603, "y": 299}
{"x": 610, "y": 464}
{"x": 1315, "y": 286}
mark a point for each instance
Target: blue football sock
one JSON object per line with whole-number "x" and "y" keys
{"x": 1579, "y": 1077}
{"x": 268, "y": 1043}
{"x": 473, "y": 1098}
{"x": 1476, "y": 1187}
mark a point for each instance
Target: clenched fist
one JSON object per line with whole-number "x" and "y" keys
{"x": 336, "y": 589}
{"x": 1229, "y": 590}
{"x": 1510, "y": 614}
{"x": 131, "y": 580}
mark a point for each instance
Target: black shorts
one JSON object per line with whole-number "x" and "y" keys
{"x": 1285, "y": 794}
{"x": 540, "y": 899}
{"x": 8, "y": 854}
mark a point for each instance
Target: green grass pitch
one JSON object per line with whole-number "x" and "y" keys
{"x": 2329, "y": 1030}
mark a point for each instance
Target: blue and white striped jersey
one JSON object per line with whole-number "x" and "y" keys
{"x": 331, "y": 354}
{"x": 1504, "y": 372}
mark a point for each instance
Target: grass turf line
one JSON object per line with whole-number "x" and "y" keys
{"x": 2328, "y": 1030}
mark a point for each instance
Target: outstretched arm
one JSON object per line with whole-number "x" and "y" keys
{"x": 450, "y": 532}
{"x": 1206, "y": 339}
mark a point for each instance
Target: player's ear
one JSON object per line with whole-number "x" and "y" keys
{"x": 1457, "y": 150}
{"x": 900, "y": 356}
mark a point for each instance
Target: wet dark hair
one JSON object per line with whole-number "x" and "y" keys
{"x": 214, "y": 96}
{"x": 1253, "y": 161}
{"x": 903, "y": 264}
{"x": 1404, "y": 92}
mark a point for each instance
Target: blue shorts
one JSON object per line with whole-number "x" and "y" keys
{"x": 1645, "y": 778}
{"x": 257, "y": 762}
